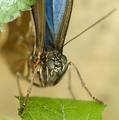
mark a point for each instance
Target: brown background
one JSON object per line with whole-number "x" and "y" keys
{"x": 95, "y": 53}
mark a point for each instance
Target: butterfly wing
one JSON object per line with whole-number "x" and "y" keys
{"x": 21, "y": 41}
{"x": 38, "y": 11}
{"x": 58, "y": 14}
{"x": 19, "y": 44}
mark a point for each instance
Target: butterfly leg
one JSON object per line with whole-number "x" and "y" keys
{"x": 28, "y": 92}
{"x": 83, "y": 84}
{"x": 69, "y": 84}
{"x": 19, "y": 75}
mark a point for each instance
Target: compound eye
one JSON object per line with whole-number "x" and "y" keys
{"x": 64, "y": 59}
{"x": 51, "y": 64}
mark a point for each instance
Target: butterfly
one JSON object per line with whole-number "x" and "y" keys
{"x": 40, "y": 50}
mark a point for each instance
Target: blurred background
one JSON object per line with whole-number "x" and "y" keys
{"x": 95, "y": 53}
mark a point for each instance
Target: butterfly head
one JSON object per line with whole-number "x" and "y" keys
{"x": 52, "y": 67}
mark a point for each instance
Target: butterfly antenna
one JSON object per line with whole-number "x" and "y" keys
{"x": 100, "y": 20}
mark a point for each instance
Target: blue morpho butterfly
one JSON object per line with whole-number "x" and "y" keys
{"x": 44, "y": 53}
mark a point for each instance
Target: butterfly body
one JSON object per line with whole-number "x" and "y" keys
{"x": 53, "y": 18}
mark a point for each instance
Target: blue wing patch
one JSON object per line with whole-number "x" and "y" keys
{"x": 55, "y": 10}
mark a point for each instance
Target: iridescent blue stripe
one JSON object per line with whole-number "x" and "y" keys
{"x": 54, "y": 14}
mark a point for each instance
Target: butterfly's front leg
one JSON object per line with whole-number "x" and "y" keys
{"x": 28, "y": 91}
{"x": 83, "y": 84}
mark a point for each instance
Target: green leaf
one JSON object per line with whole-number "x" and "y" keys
{"x": 60, "y": 109}
{"x": 10, "y": 9}
{"x": 1, "y": 26}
